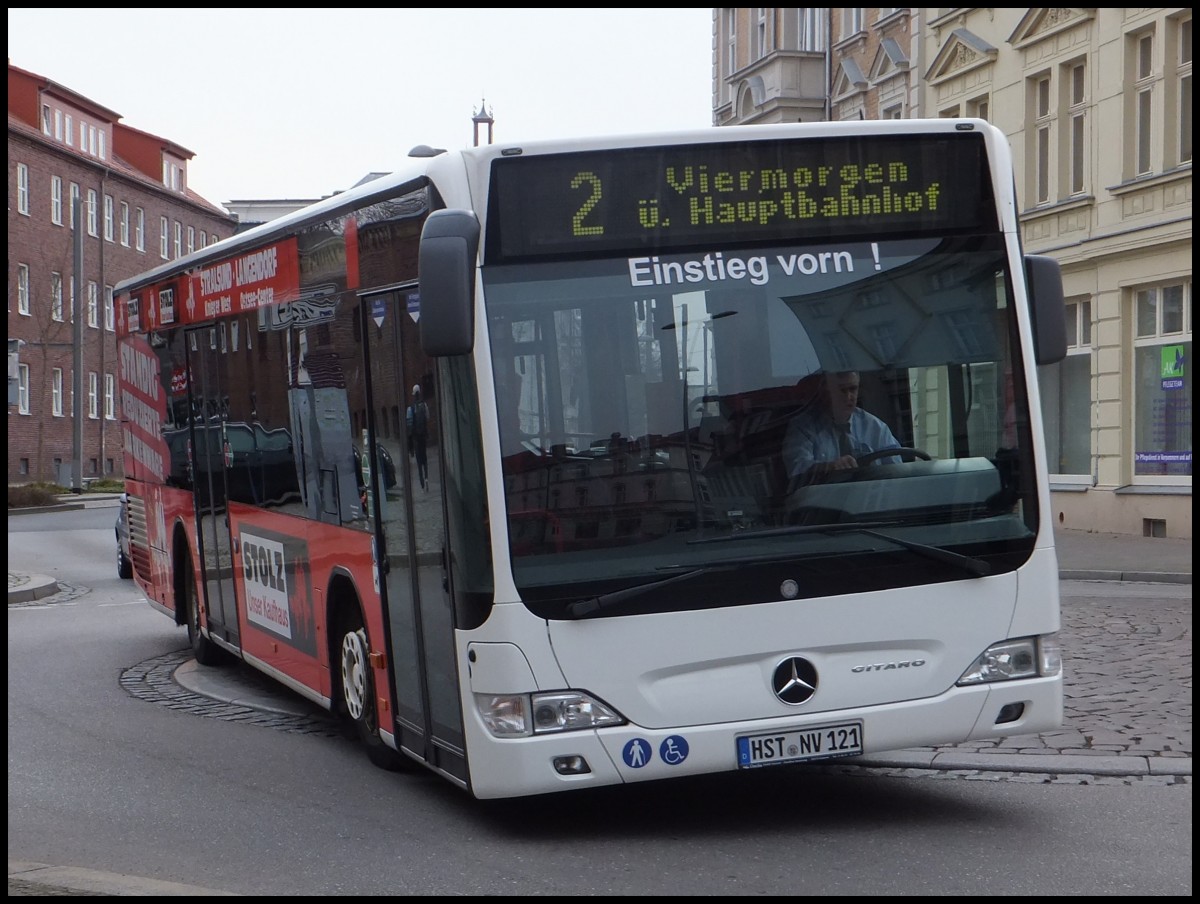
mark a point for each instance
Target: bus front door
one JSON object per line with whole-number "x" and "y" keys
{"x": 407, "y": 498}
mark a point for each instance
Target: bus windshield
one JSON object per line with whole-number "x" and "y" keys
{"x": 646, "y": 403}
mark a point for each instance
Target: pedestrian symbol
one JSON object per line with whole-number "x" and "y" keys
{"x": 636, "y": 753}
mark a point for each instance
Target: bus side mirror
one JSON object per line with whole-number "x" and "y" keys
{"x": 446, "y": 270}
{"x": 1043, "y": 276}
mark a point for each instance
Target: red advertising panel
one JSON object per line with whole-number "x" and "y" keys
{"x": 258, "y": 279}
{"x": 143, "y": 410}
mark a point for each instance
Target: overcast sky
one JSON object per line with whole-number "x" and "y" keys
{"x": 300, "y": 103}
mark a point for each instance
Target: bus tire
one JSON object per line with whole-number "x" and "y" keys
{"x": 356, "y": 687}
{"x": 205, "y": 651}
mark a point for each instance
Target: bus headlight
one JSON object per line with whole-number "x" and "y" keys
{"x": 1026, "y": 657}
{"x": 521, "y": 715}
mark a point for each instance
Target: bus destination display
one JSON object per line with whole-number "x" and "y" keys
{"x": 677, "y": 197}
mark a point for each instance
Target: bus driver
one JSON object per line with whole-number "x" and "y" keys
{"x": 836, "y": 433}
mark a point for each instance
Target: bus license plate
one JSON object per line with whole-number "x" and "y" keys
{"x": 820, "y": 742}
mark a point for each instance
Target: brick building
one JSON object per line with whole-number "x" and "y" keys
{"x": 137, "y": 212}
{"x": 1097, "y": 105}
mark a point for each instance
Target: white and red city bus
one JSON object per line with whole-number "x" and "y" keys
{"x": 612, "y": 572}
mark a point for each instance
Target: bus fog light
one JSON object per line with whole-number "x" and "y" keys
{"x": 571, "y": 765}
{"x": 1005, "y": 661}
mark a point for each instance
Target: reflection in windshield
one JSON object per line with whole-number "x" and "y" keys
{"x": 644, "y": 403}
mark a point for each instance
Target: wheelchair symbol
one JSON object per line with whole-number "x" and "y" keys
{"x": 673, "y": 751}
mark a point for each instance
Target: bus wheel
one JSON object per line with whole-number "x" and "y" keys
{"x": 358, "y": 697}
{"x": 205, "y": 651}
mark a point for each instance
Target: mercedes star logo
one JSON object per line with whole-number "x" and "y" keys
{"x": 794, "y": 681}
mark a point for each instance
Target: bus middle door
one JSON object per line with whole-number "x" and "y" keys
{"x": 213, "y": 466}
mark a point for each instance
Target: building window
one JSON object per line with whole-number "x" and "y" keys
{"x": 1162, "y": 375}
{"x": 56, "y": 200}
{"x": 93, "y": 304}
{"x": 140, "y": 231}
{"x": 730, "y": 41}
{"x": 23, "y": 388}
{"x": 812, "y": 29}
{"x": 164, "y": 238}
{"x": 1042, "y": 127}
{"x": 191, "y": 241}
{"x": 1066, "y": 391}
{"x": 108, "y": 218}
{"x": 23, "y": 289}
{"x": 1143, "y": 102}
{"x": 125, "y": 223}
{"x": 56, "y": 392}
{"x": 110, "y": 398}
{"x": 178, "y": 239}
{"x": 852, "y": 22}
{"x": 93, "y": 213}
{"x": 22, "y": 189}
{"x": 1182, "y": 100}
{"x": 74, "y": 198}
{"x": 203, "y": 239}
{"x": 45, "y": 119}
{"x": 69, "y": 131}
{"x": 760, "y": 32}
{"x": 895, "y": 111}
{"x": 109, "y": 309}
{"x": 56, "y": 297}
{"x": 58, "y": 125}
{"x": 93, "y": 395}
{"x": 1077, "y": 112}
{"x": 103, "y": 151}
{"x": 979, "y": 109}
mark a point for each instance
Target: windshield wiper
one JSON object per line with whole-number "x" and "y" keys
{"x": 972, "y": 565}
{"x": 593, "y": 604}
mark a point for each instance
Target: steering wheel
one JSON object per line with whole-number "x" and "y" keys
{"x": 905, "y": 453}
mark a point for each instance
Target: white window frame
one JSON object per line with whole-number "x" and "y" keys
{"x": 110, "y": 316}
{"x": 164, "y": 238}
{"x": 110, "y": 398}
{"x": 23, "y": 289}
{"x": 56, "y": 200}
{"x": 852, "y": 21}
{"x": 93, "y": 395}
{"x": 125, "y": 223}
{"x": 69, "y": 130}
{"x": 191, "y": 239}
{"x": 23, "y": 189}
{"x": 1143, "y": 104}
{"x": 109, "y": 219}
{"x": 93, "y": 203}
{"x": 1075, "y": 79}
{"x": 140, "y": 231}
{"x": 74, "y": 197}
{"x": 56, "y": 392}
{"x": 56, "y": 296}
{"x": 46, "y": 129}
{"x": 1182, "y": 85}
{"x": 178, "y": 230}
{"x": 93, "y": 304}
{"x": 23, "y": 389}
